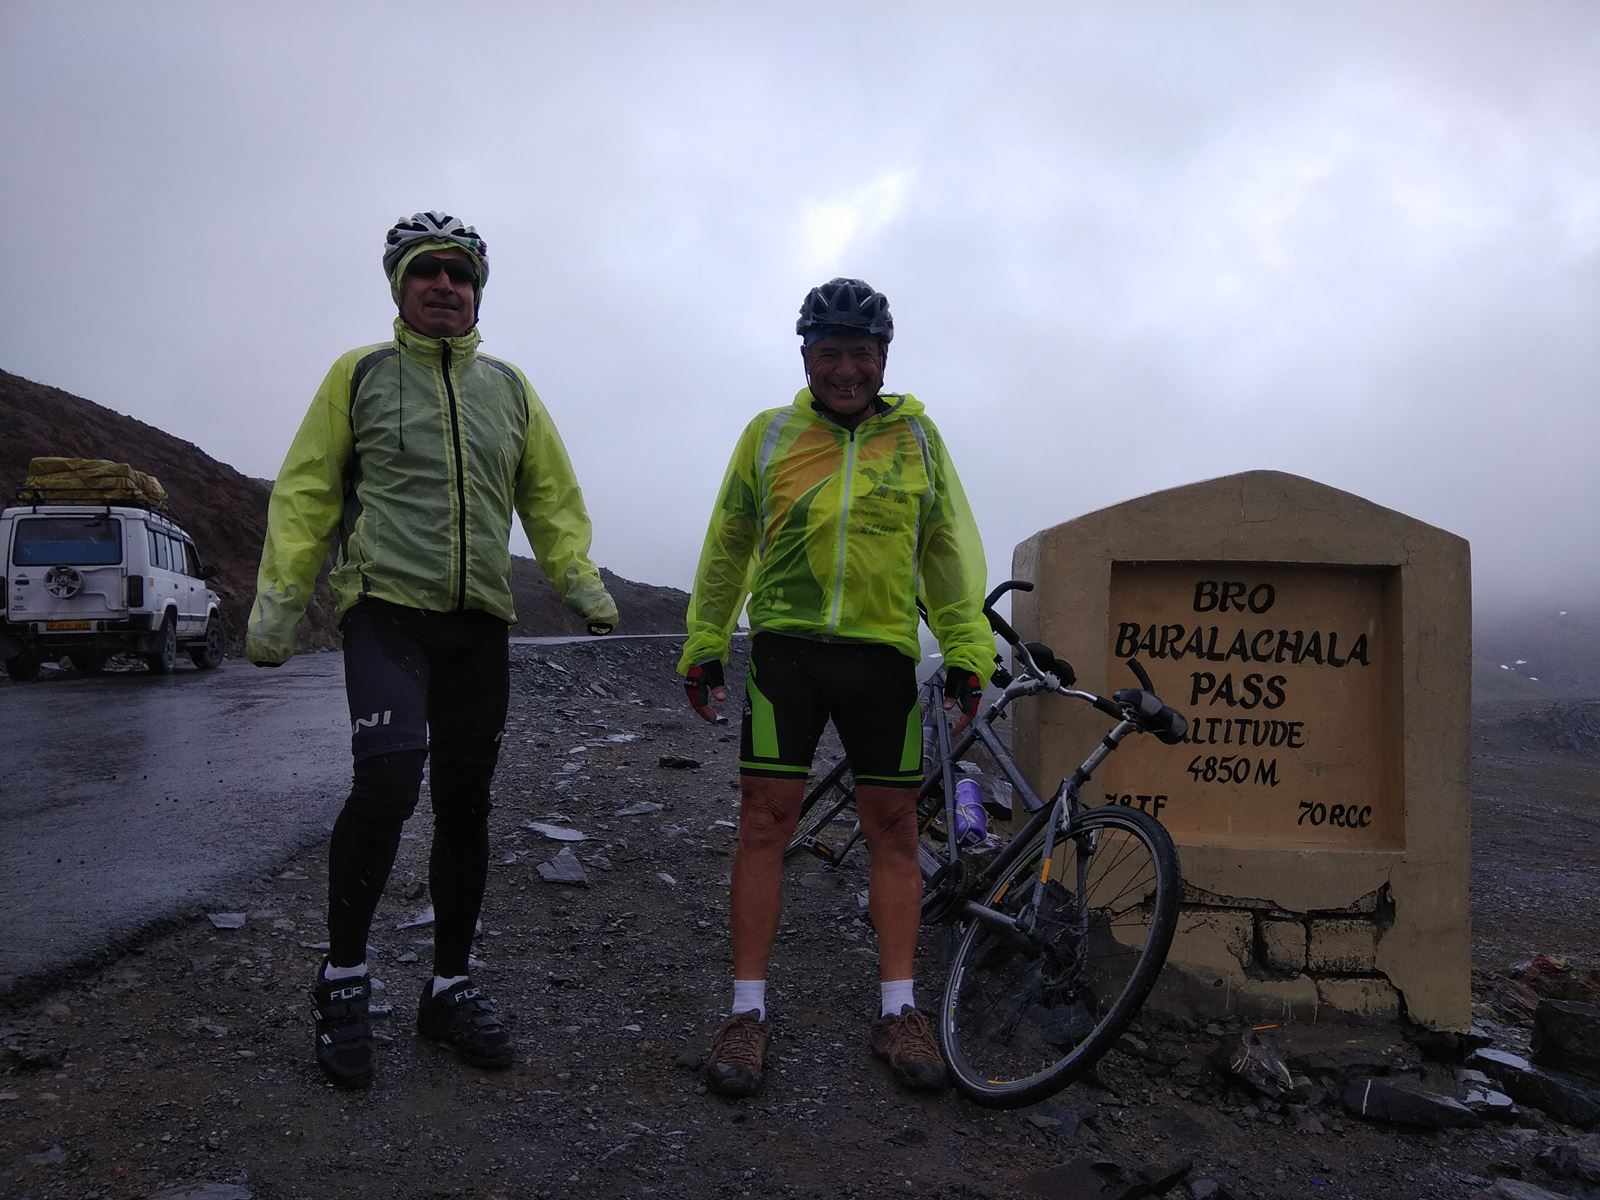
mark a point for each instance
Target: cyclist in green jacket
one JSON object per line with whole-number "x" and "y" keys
{"x": 415, "y": 453}
{"x": 836, "y": 512}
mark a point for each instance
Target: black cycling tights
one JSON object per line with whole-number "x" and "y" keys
{"x": 420, "y": 685}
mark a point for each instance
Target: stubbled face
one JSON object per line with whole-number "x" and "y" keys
{"x": 436, "y": 305}
{"x": 845, "y": 373}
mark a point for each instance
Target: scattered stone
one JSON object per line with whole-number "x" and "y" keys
{"x": 1515, "y": 1189}
{"x": 1566, "y": 1161}
{"x": 556, "y": 833}
{"x": 1343, "y": 1051}
{"x": 666, "y": 879}
{"x": 1568, "y": 1099}
{"x": 422, "y": 920}
{"x": 1067, "y": 1117}
{"x": 1257, "y": 1063}
{"x": 1566, "y": 1036}
{"x": 1487, "y": 1102}
{"x": 1443, "y": 1045}
{"x": 564, "y": 868}
{"x": 204, "y": 1191}
{"x": 909, "y": 1135}
{"x": 52, "y": 1157}
{"x": 1380, "y": 1100}
{"x": 226, "y": 920}
{"x": 1105, "y": 1179}
{"x": 638, "y": 809}
{"x": 678, "y": 762}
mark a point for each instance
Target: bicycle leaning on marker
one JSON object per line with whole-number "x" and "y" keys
{"x": 1061, "y": 935}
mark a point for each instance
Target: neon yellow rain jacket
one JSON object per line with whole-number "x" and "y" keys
{"x": 833, "y": 533}
{"x": 415, "y": 452}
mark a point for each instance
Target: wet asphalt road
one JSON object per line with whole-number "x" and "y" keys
{"x": 129, "y": 799}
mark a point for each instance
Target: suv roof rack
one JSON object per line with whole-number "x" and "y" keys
{"x": 33, "y": 497}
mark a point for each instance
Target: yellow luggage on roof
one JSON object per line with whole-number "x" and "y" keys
{"x": 76, "y": 480}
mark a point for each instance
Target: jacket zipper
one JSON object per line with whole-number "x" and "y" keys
{"x": 461, "y": 481}
{"x": 844, "y": 516}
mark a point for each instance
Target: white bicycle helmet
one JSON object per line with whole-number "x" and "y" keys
{"x": 434, "y": 227}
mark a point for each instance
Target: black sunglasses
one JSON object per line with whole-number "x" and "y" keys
{"x": 427, "y": 266}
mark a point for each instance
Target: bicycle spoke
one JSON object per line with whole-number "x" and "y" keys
{"x": 1023, "y": 1014}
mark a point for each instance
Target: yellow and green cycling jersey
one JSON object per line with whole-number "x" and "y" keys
{"x": 414, "y": 455}
{"x": 833, "y": 533}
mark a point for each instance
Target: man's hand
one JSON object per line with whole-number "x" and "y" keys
{"x": 600, "y": 628}
{"x": 963, "y": 690}
{"x": 704, "y": 683}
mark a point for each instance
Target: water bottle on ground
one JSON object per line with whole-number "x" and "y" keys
{"x": 971, "y": 825}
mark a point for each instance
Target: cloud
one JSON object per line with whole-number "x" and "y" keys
{"x": 1126, "y": 248}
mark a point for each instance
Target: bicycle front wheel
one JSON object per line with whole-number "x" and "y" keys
{"x": 1034, "y": 1002}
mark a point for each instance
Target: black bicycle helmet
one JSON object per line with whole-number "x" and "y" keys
{"x": 846, "y": 305}
{"x": 434, "y": 227}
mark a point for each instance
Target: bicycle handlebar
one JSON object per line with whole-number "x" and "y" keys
{"x": 996, "y": 621}
{"x": 1140, "y": 705}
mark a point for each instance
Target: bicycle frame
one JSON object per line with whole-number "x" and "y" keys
{"x": 1052, "y": 818}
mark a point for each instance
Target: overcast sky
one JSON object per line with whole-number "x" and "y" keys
{"x": 1127, "y": 246}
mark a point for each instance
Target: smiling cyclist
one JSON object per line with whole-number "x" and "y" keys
{"x": 835, "y": 513}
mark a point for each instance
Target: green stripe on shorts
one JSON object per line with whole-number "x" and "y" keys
{"x": 763, "y": 725}
{"x": 911, "y": 752}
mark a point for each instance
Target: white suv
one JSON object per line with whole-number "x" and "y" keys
{"x": 89, "y": 580}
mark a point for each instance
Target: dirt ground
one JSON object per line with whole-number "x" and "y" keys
{"x": 183, "y": 1066}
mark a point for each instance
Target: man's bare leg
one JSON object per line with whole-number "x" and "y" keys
{"x": 894, "y": 885}
{"x": 768, "y": 812}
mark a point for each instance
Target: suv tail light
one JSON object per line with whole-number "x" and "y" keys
{"x": 135, "y": 591}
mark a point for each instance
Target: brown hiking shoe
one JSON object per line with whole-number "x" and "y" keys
{"x": 907, "y": 1044}
{"x": 737, "y": 1053}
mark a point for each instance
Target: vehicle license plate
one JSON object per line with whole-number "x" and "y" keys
{"x": 52, "y": 626}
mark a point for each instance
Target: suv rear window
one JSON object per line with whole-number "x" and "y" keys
{"x": 73, "y": 541}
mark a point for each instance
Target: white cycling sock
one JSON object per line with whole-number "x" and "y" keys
{"x": 897, "y": 994}
{"x": 440, "y": 983}
{"x": 331, "y": 972}
{"x": 748, "y": 994}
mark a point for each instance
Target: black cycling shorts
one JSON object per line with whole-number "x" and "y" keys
{"x": 420, "y": 680}
{"x": 796, "y": 685}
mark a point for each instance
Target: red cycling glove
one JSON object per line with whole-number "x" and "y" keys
{"x": 699, "y": 682}
{"x": 966, "y": 689}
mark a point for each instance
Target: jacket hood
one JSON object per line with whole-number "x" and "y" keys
{"x": 416, "y": 345}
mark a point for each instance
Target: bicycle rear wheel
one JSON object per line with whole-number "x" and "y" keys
{"x": 1028, "y": 1008}
{"x": 831, "y": 799}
